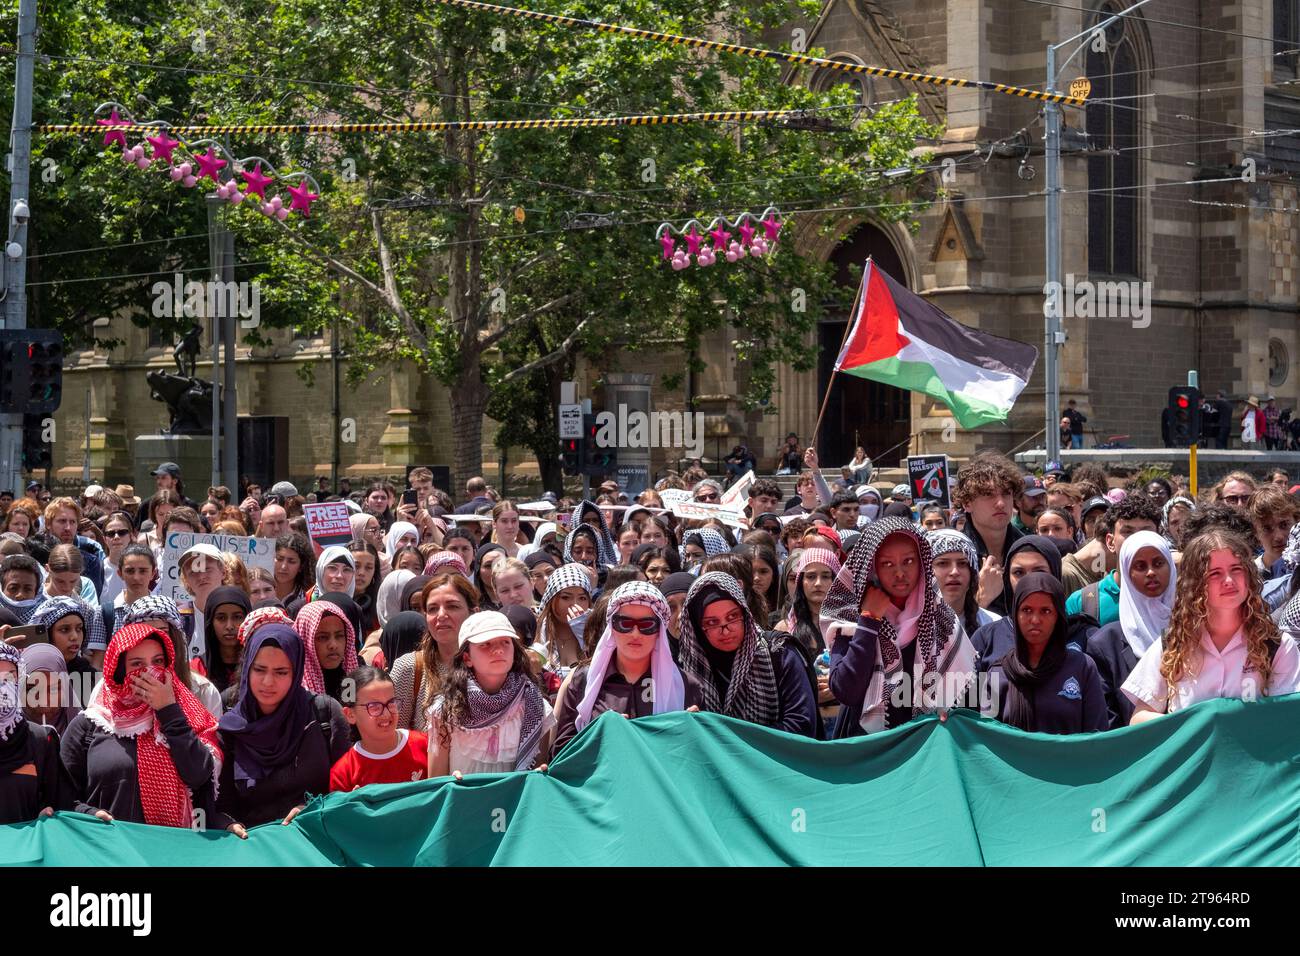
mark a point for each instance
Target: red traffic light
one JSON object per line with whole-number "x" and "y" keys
{"x": 1183, "y": 402}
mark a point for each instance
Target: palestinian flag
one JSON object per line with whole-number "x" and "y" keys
{"x": 901, "y": 339}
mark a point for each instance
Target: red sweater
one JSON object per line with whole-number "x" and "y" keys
{"x": 358, "y": 767}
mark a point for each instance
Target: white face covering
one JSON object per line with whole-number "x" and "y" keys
{"x": 871, "y": 512}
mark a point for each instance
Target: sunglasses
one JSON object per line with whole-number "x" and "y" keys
{"x": 626, "y": 625}
{"x": 713, "y": 496}
{"x": 119, "y": 533}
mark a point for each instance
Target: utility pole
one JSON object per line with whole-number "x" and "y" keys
{"x": 15, "y": 272}
{"x": 229, "y": 397}
{"x": 215, "y": 254}
{"x": 1054, "y": 337}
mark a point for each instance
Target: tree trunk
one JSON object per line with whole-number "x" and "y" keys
{"x": 469, "y": 399}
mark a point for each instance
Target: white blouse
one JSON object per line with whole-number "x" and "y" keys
{"x": 491, "y": 749}
{"x": 1217, "y": 674}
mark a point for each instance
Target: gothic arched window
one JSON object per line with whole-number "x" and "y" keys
{"x": 1113, "y": 113}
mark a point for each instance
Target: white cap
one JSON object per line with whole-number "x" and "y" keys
{"x": 484, "y": 626}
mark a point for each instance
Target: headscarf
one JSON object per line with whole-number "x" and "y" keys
{"x": 305, "y": 625}
{"x": 358, "y": 524}
{"x": 679, "y": 582}
{"x": 591, "y": 532}
{"x": 945, "y": 658}
{"x": 1038, "y": 543}
{"x": 748, "y": 688}
{"x": 946, "y": 541}
{"x": 401, "y": 635}
{"x": 806, "y": 557}
{"x": 565, "y": 576}
{"x": 115, "y": 709}
{"x": 442, "y": 562}
{"x": 666, "y": 680}
{"x": 389, "y": 602}
{"x": 154, "y": 607}
{"x": 217, "y": 671}
{"x": 398, "y": 531}
{"x": 56, "y": 608}
{"x": 351, "y": 610}
{"x": 332, "y": 555}
{"x": 259, "y": 743}
{"x": 869, "y": 512}
{"x": 265, "y": 614}
{"x": 23, "y": 609}
{"x": 1144, "y": 618}
{"x": 708, "y": 539}
{"x": 411, "y": 588}
{"x": 535, "y": 546}
{"x": 1187, "y": 503}
{"x": 45, "y": 658}
{"x": 1022, "y": 679}
{"x": 606, "y": 551}
{"x": 14, "y": 731}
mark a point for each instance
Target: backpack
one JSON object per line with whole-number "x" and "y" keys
{"x": 324, "y": 720}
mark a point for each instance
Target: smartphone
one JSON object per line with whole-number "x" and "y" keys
{"x": 27, "y": 634}
{"x": 410, "y": 497}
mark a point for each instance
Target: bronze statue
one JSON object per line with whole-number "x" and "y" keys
{"x": 189, "y": 347}
{"x": 188, "y": 399}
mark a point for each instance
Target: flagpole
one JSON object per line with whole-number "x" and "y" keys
{"x": 848, "y": 327}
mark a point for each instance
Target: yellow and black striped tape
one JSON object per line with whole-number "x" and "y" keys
{"x": 722, "y": 116}
{"x": 762, "y": 54}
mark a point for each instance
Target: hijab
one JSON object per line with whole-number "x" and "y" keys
{"x": 221, "y": 674}
{"x": 115, "y": 709}
{"x": 262, "y": 614}
{"x": 1023, "y": 680}
{"x": 411, "y": 588}
{"x": 739, "y": 683}
{"x": 335, "y": 554}
{"x": 945, "y": 659}
{"x": 306, "y": 624}
{"x": 46, "y": 659}
{"x": 606, "y": 551}
{"x": 56, "y": 609}
{"x": 389, "y": 602}
{"x": 709, "y": 539}
{"x": 1039, "y": 543}
{"x": 443, "y": 562}
{"x": 483, "y": 551}
{"x": 14, "y": 732}
{"x": 399, "y": 530}
{"x": 1143, "y": 618}
{"x": 665, "y": 679}
{"x": 259, "y": 743}
{"x": 401, "y": 635}
{"x": 947, "y": 541}
{"x": 358, "y": 524}
{"x": 351, "y": 610}
{"x": 590, "y": 532}
{"x": 870, "y": 512}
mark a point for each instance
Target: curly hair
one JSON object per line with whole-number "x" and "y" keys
{"x": 987, "y": 474}
{"x": 1181, "y": 644}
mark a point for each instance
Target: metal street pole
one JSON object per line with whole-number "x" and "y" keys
{"x": 1053, "y": 336}
{"x": 230, "y": 446}
{"x": 214, "y": 324}
{"x": 15, "y": 273}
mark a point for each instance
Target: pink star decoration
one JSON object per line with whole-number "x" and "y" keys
{"x": 114, "y": 135}
{"x": 693, "y": 240}
{"x": 746, "y": 234}
{"x": 303, "y": 197}
{"x": 720, "y": 238}
{"x": 162, "y": 146}
{"x": 209, "y": 165}
{"x": 771, "y": 226}
{"x": 668, "y": 242}
{"x": 257, "y": 181}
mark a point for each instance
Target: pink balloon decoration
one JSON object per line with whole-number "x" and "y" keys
{"x": 268, "y": 209}
{"x": 189, "y": 182}
{"x": 282, "y": 214}
{"x": 680, "y": 260}
{"x": 143, "y": 162}
{"x": 176, "y": 174}
{"x": 236, "y": 196}
{"x": 276, "y": 202}
{"x": 186, "y": 169}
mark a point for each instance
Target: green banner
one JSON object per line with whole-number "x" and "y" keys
{"x": 1218, "y": 784}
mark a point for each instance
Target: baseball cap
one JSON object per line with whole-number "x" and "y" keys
{"x": 901, "y": 491}
{"x": 207, "y": 550}
{"x": 484, "y": 626}
{"x": 1097, "y": 502}
{"x": 167, "y": 468}
{"x": 1033, "y": 486}
{"x": 92, "y": 490}
{"x": 1053, "y": 468}
{"x": 284, "y": 488}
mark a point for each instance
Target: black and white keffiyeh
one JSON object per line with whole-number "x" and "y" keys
{"x": 153, "y": 607}
{"x": 586, "y": 528}
{"x": 565, "y": 576}
{"x": 606, "y": 551}
{"x": 55, "y": 609}
{"x": 751, "y": 691}
{"x": 946, "y": 541}
{"x": 709, "y": 539}
{"x": 486, "y": 709}
{"x": 942, "y": 647}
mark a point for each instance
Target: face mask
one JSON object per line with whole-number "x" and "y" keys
{"x": 871, "y": 512}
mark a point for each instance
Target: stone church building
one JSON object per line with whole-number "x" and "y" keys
{"x": 1173, "y": 176}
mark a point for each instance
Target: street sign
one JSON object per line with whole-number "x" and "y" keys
{"x": 1080, "y": 88}
{"x": 570, "y": 418}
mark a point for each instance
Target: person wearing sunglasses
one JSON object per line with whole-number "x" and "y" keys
{"x": 708, "y": 492}
{"x": 385, "y": 752}
{"x": 631, "y": 670}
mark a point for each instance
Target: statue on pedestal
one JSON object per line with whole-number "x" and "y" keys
{"x": 189, "y": 399}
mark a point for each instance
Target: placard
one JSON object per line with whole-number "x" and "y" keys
{"x": 327, "y": 523}
{"x": 254, "y": 552}
{"x": 703, "y": 511}
{"x": 737, "y": 496}
{"x": 928, "y": 478}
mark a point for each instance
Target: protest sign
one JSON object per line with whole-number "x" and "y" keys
{"x": 327, "y": 523}
{"x": 737, "y": 496}
{"x": 254, "y": 552}
{"x": 927, "y": 476}
{"x": 703, "y": 511}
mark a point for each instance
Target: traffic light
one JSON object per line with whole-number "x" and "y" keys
{"x": 1184, "y": 415}
{"x": 37, "y": 454}
{"x": 31, "y": 371}
{"x": 596, "y": 461}
{"x": 571, "y": 455}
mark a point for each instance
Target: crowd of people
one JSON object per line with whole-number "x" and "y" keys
{"x": 484, "y": 636}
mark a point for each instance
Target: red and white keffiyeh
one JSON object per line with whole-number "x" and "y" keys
{"x": 115, "y": 709}
{"x": 307, "y": 624}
